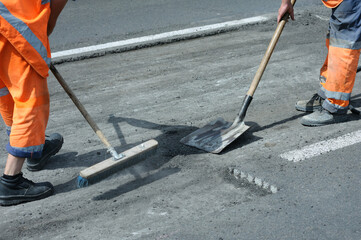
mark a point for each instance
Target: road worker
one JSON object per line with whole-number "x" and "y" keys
{"x": 24, "y": 98}
{"x": 337, "y": 75}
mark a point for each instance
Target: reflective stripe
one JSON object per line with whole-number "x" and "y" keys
{"x": 26, "y": 32}
{"x": 322, "y": 79}
{"x": 345, "y": 44}
{"x": 44, "y": 1}
{"x": 335, "y": 106}
{"x": 4, "y": 91}
{"x": 337, "y": 95}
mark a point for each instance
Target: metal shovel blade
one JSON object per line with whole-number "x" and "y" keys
{"x": 215, "y": 136}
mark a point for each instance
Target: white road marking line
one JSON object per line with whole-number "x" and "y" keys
{"x": 323, "y": 147}
{"x": 160, "y": 36}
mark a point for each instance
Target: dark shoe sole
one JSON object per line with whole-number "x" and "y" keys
{"x": 17, "y": 200}
{"x": 339, "y": 119}
{"x": 41, "y": 164}
{"x": 308, "y": 124}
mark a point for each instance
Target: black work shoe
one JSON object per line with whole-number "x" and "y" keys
{"x": 22, "y": 190}
{"x": 315, "y": 103}
{"x": 53, "y": 144}
{"x": 322, "y": 117}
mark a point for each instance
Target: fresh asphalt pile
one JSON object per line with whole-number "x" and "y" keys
{"x": 168, "y": 91}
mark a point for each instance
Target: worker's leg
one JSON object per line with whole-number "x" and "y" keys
{"x": 6, "y": 107}
{"x": 29, "y": 92}
{"x": 323, "y": 70}
{"x": 340, "y": 67}
{"x": 24, "y": 106}
{"x": 13, "y": 165}
{"x": 341, "y": 71}
{"x": 31, "y": 110}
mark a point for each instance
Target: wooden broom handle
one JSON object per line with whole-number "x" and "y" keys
{"x": 79, "y": 106}
{"x": 268, "y": 53}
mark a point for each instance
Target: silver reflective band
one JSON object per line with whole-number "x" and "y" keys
{"x": 4, "y": 91}
{"x": 26, "y": 32}
{"x": 337, "y": 95}
{"x": 44, "y": 1}
{"x": 335, "y": 105}
{"x": 344, "y": 43}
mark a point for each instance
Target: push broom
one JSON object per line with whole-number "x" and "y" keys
{"x": 100, "y": 170}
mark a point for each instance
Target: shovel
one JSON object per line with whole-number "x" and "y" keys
{"x": 218, "y": 134}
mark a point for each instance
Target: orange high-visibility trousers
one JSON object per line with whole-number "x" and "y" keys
{"x": 24, "y": 24}
{"x": 343, "y": 41}
{"x": 331, "y": 3}
{"x": 24, "y": 102}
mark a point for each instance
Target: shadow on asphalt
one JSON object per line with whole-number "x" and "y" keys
{"x": 356, "y": 103}
{"x": 135, "y": 184}
{"x": 169, "y": 147}
{"x": 248, "y": 138}
{"x": 283, "y": 121}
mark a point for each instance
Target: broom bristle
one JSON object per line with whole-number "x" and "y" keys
{"x": 82, "y": 182}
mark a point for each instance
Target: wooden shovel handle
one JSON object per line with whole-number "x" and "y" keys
{"x": 268, "y": 53}
{"x": 79, "y": 106}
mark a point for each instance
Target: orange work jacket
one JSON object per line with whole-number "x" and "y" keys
{"x": 24, "y": 24}
{"x": 331, "y": 3}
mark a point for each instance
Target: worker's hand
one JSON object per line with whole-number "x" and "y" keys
{"x": 286, "y": 7}
{"x": 56, "y": 7}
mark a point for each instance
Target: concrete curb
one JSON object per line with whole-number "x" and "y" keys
{"x": 154, "y": 40}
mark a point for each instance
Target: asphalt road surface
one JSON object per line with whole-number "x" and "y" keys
{"x": 85, "y": 23}
{"x": 168, "y": 91}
